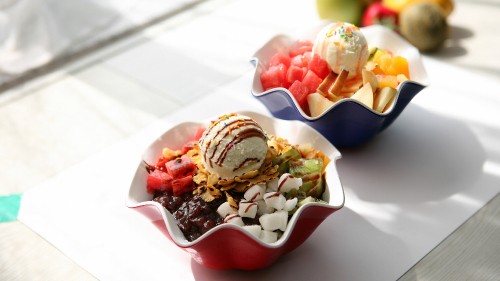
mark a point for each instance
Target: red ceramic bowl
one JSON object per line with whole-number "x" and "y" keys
{"x": 228, "y": 246}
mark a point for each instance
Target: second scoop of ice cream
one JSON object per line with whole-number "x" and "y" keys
{"x": 343, "y": 46}
{"x": 233, "y": 145}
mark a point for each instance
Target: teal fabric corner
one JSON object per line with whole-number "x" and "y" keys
{"x": 9, "y": 207}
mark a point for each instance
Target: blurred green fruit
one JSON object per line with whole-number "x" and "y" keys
{"x": 341, "y": 10}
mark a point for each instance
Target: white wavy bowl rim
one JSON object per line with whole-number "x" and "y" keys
{"x": 376, "y": 36}
{"x": 295, "y": 132}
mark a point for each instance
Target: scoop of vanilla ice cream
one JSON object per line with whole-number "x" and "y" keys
{"x": 343, "y": 46}
{"x": 233, "y": 145}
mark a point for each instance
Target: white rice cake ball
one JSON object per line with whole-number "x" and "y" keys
{"x": 255, "y": 192}
{"x": 247, "y": 209}
{"x": 288, "y": 182}
{"x": 234, "y": 219}
{"x": 275, "y": 200}
{"x": 226, "y": 209}
{"x": 262, "y": 208}
{"x": 272, "y": 185}
{"x": 274, "y": 221}
{"x": 290, "y": 204}
{"x": 268, "y": 236}
{"x": 254, "y": 229}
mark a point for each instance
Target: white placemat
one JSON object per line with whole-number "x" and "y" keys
{"x": 406, "y": 191}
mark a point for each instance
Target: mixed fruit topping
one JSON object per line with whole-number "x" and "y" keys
{"x": 424, "y": 23}
{"x": 337, "y": 65}
{"x": 233, "y": 172}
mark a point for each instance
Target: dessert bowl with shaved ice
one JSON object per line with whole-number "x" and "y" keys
{"x": 239, "y": 191}
{"x": 348, "y": 83}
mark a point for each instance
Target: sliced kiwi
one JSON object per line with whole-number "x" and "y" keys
{"x": 301, "y": 167}
{"x": 283, "y": 160}
{"x": 313, "y": 185}
{"x": 309, "y": 199}
{"x": 309, "y": 181}
{"x": 317, "y": 189}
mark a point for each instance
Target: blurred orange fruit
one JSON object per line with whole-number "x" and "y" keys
{"x": 399, "y": 5}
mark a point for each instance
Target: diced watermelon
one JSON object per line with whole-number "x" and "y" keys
{"x": 280, "y": 58}
{"x": 158, "y": 181}
{"x": 188, "y": 146}
{"x": 301, "y": 60}
{"x": 299, "y": 92}
{"x": 199, "y": 133}
{"x": 311, "y": 81}
{"x": 319, "y": 66}
{"x": 297, "y": 61}
{"x": 301, "y": 48}
{"x": 306, "y": 57}
{"x": 160, "y": 165}
{"x": 273, "y": 77}
{"x": 182, "y": 185}
{"x": 180, "y": 167}
{"x": 294, "y": 73}
{"x": 304, "y": 72}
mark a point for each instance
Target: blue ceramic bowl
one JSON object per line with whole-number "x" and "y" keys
{"x": 348, "y": 122}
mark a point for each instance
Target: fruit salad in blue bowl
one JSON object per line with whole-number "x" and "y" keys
{"x": 346, "y": 82}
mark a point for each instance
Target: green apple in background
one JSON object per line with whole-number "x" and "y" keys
{"x": 341, "y": 10}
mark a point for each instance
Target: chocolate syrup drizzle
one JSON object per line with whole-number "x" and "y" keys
{"x": 253, "y": 130}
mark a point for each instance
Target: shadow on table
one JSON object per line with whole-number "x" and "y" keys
{"x": 453, "y": 45}
{"x": 422, "y": 157}
{"x": 344, "y": 247}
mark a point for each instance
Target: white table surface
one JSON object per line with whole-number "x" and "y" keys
{"x": 124, "y": 89}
